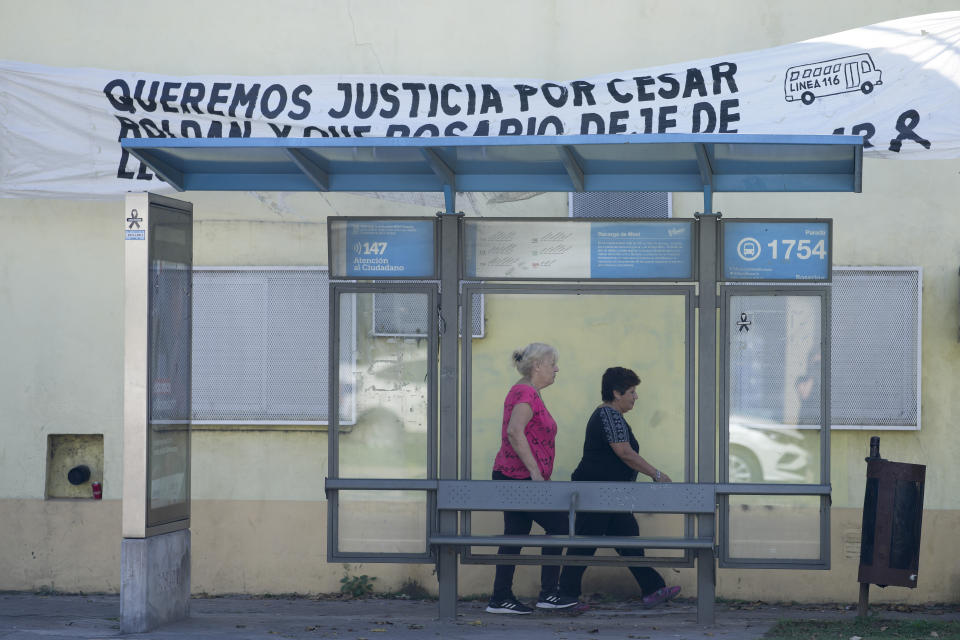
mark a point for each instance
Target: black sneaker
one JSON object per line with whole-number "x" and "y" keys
{"x": 555, "y": 601}
{"x": 508, "y": 605}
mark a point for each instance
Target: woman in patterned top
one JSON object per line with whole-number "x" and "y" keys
{"x": 526, "y": 453}
{"x": 611, "y": 453}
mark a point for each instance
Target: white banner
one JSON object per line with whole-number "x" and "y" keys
{"x": 896, "y": 83}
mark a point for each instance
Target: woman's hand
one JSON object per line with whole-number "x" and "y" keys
{"x": 536, "y": 476}
{"x": 636, "y": 462}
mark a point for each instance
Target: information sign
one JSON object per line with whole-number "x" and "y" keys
{"x": 379, "y": 248}
{"x": 578, "y": 249}
{"x": 526, "y": 250}
{"x": 777, "y": 250}
{"x": 643, "y": 251}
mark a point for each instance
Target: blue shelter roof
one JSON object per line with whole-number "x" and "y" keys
{"x": 711, "y": 163}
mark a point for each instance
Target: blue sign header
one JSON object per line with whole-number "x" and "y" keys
{"x": 378, "y": 248}
{"x": 778, "y": 250}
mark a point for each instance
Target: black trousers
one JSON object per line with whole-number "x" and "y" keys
{"x": 607, "y": 524}
{"x": 519, "y": 523}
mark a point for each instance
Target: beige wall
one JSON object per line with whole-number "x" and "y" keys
{"x": 277, "y": 546}
{"x": 558, "y": 39}
{"x": 62, "y": 325}
{"x": 259, "y": 515}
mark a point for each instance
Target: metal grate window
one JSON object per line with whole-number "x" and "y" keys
{"x": 260, "y": 346}
{"x": 620, "y": 204}
{"x": 875, "y": 362}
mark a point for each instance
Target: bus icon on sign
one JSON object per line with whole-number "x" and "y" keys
{"x": 748, "y": 249}
{"x": 807, "y": 82}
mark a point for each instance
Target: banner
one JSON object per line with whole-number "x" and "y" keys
{"x": 896, "y": 83}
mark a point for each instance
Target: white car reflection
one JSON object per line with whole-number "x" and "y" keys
{"x": 763, "y": 452}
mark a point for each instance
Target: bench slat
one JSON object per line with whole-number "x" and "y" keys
{"x": 581, "y": 541}
{"x": 640, "y": 497}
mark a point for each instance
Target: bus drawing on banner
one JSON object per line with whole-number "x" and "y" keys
{"x": 807, "y": 82}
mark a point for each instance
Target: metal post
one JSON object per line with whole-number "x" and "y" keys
{"x": 449, "y": 293}
{"x": 706, "y": 404}
{"x": 863, "y": 605}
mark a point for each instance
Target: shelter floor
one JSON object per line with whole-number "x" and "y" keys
{"x": 25, "y": 616}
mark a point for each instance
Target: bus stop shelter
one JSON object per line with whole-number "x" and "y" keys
{"x": 156, "y": 510}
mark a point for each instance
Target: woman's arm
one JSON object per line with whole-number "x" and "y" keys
{"x": 636, "y": 462}
{"x": 519, "y": 417}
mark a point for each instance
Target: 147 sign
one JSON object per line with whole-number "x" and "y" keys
{"x": 776, "y": 250}
{"x": 366, "y": 248}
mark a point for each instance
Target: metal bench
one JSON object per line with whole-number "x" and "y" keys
{"x": 573, "y": 497}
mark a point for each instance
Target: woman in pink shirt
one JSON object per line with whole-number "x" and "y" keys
{"x": 526, "y": 453}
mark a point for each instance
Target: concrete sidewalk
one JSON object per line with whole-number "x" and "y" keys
{"x": 29, "y": 617}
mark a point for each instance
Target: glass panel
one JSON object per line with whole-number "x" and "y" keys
{"x": 169, "y": 455}
{"x": 389, "y": 318}
{"x": 774, "y": 381}
{"x": 400, "y": 315}
{"x": 592, "y": 332}
{"x": 382, "y": 522}
{"x": 774, "y": 527}
{"x": 389, "y": 438}
{"x": 169, "y": 343}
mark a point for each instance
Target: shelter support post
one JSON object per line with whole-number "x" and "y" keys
{"x": 449, "y": 294}
{"x": 450, "y": 198}
{"x": 705, "y": 166}
{"x": 706, "y": 404}
{"x": 156, "y": 549}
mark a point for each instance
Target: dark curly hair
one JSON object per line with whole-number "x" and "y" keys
{"x": 617, "y": 379}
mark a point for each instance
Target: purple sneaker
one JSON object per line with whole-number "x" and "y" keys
{"x": 661, "y": 595}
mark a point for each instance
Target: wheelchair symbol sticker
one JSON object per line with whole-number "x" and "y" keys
{"x": 748, "y": 249}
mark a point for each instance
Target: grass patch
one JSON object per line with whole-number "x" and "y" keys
{"x": 869, "y": 629}
{"x": 413, "y": 590}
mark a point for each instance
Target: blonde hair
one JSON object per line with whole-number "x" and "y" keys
{"x": 528, "y": 357}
